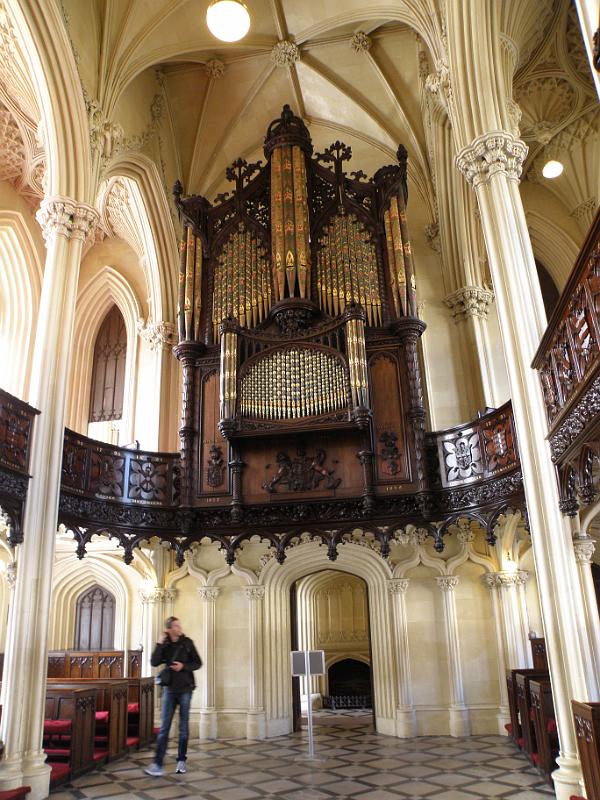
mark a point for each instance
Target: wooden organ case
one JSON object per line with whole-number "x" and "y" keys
{"x": 298, "y": 335}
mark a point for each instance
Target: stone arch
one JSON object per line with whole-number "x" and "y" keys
{"x": 44, "y": 48}
{"x": 304, "y": 560}
{"x": 159, "y": 240}
{"x": 552, "y": 246}
{"x": 20, "y": 289}
{"x": 71, "y": 579}
{"x": 107, "y": 288}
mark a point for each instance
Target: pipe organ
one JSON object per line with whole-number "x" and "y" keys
{"x": 298, "y": 331}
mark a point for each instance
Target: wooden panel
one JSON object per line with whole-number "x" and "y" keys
{"x": 587, "y": 728}
{"x": 391, "y": 462}
{"x": 79, "y": 705}
{"x": 523, "y": 678}
{"x": 312, "y": 462}
{"x": 544, "y": 724}
{"x": 214, "y": 450}
{"x": 538, "y": 651}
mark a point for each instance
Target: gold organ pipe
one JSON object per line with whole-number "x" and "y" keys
{"x": 189, "y": 284}
{"x": 181, "y": 296}
{"x": 398, "y": 252}
{"x": 277, "y": 237}
{"x": 391, "y": 263}
{"x": 408, "y": 259}
{"x": 287, "y": 188}
{"x": 300, "y": 221}
{"x": 255, "y": 287}
{"x": 197, "y": 287}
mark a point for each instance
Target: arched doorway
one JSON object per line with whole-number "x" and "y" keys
{"x": 330, "y": 612}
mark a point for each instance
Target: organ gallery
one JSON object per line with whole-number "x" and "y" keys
{"x": 299, "y": 345}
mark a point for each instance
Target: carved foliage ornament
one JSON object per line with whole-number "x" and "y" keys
{"x": 216, "y": 466}
{"x": 61, "y": 216}
{"x": 493, "y": 153}
{"x": 390, "y": 454}
{"x": 285, "y": 53}
{"x": 303, "y": 473}
{"x": 360, "y": 42}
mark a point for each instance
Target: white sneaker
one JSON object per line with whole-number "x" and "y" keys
{"x": 180, "y": 767}
{"x": 155, "y": 770}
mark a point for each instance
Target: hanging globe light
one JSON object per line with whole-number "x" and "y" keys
{"x": 228, "y": 20}
{"x": 552, "y": 169}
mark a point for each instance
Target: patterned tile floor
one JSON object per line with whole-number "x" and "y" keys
{"x": 351, "y": 762}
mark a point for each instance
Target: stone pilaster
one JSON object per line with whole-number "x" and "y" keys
{"x": 157, "y": 605}
{"x": 208, "y": 713}
{"x": 406, "y": 720}
{"x": 255, "y": 723}
{"x": 460, "y": 724}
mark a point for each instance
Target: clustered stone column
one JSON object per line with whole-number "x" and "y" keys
{"x": 492, "y": 164}
{"x": 208, "y": 712}
{"x": 406, "y": 721}
{"x": 157, "y": 605}
{"x": 65, "y": 225}
{"x": 256, "y": 723}
{"x": 460, "y": 724}
{"x": 584, "y": 548}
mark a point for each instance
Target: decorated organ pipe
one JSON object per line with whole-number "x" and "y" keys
{"x": 357, "y": 358}
{"x": 190, "y": 286}
{"x": 399, "y": 257}
{"x": 228, "y": 384}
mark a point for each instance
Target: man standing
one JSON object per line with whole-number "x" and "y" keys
{"x": 177, "y": 679}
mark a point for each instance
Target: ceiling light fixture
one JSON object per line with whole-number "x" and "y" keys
{"x": 228, "y": 20}
{"x": 552, "y": 169}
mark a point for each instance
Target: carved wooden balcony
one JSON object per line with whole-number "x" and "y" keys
{"x": 16, "y": 429}
{"x": 568, "y": 360}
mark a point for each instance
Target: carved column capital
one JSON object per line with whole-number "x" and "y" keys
{"x": 398, "y": 585}
{"x": 158, "y": 335}
{"x": 506, "y": 579}
{"x": 254, "y": 592}
{"x": 492, "y": 153}
{"x": 156, "y": 594}
{"x": 209, "y": 593}
{"x": 62, "y": 216}
{"x": 11, "y": 574}
{"x": 469, "y": 301}
{"x": 584, "y": 549}
{"x": 447, "y": 583}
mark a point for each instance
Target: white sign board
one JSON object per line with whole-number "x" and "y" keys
{"x": 316, "y": 662}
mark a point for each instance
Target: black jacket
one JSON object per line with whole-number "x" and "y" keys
{"x": 182, "y": 650}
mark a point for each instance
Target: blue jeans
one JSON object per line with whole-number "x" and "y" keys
{"x": 169, "y": 703}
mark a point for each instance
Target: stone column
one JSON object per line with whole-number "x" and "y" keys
{"x": 65, "y": 224}
{"x": 492, "y": 163}
{"x": 157, "y": 605}
{"x": 406, "y": 720}
{"x": 256, "y": 723}
{"x": 493, "y": 582}
{"x": 514, "y": 617}
{"x": 460, "y": 724}
{"x": 208, "y": 712}
{"x": 584, "y": 547}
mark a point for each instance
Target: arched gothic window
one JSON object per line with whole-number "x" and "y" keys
{"x": 95, "y": 620}
{"x": 108, "y": 373}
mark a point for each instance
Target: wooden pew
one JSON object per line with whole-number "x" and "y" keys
{"x": 134, "y": 663}
{"x": 140, "y": 711}
{"x": 76, "y": 706}
{"x": 516, "y": 731}
{"x": 111, "y": 713}
{"x": 587, "y": 728}
{"x": 544, "y": 724}
{"x": 522, "y": 680}
{"x": 83, "y": 664}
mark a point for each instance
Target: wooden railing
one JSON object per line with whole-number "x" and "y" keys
{"x": 568, "y": 357}
{"x": 16, "y": 429}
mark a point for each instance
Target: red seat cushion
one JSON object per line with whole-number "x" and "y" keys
{"x": 535, "y": 757}
{"x": 133, "y": 741}
{"x": 155, "y": 731}
{"x": 552, "y": 726}
{"x": 521, "y": 741}
{"x": 14, "y": 794}
{"x": 100, "y": 755}
{"x": 508, "y": 727}
{"x": 101, "y": 716}
{"x": 58, "y": 752}
{"x": 576, "y": 797}
{"x": 133, "y": 708}
{"x": 57, "y": 726}
{"x": 60, "y": 772}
